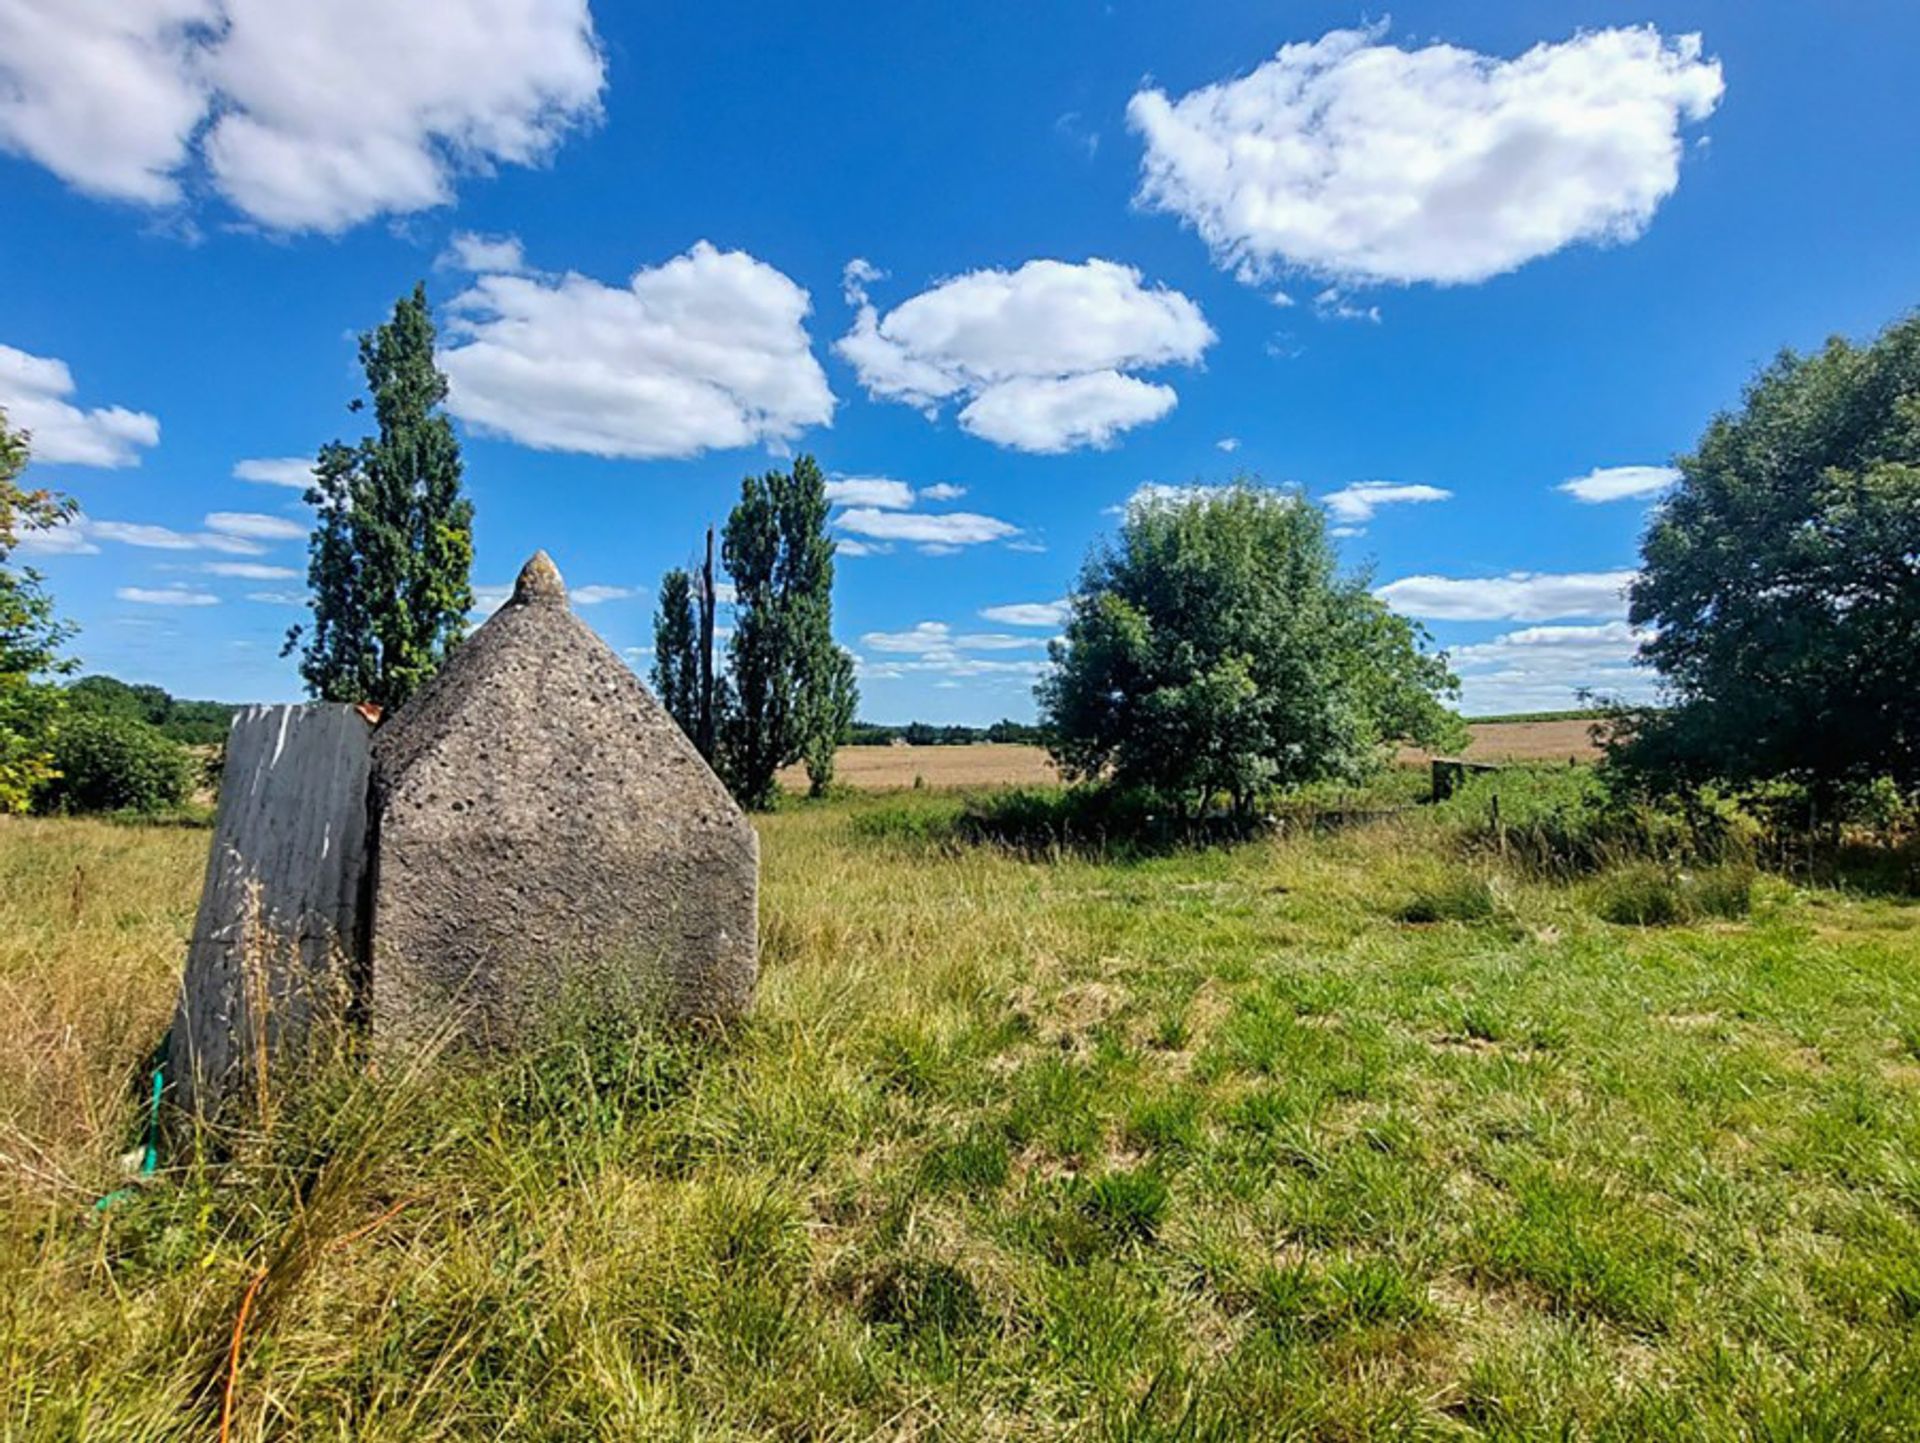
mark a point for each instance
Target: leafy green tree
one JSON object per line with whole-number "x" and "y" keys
{"x": 1214, "y": 648}
{"x": 107, "y": 763}
{"x": 788, "y": 682}
{"x": 1780, "y": 582}
{"x": 31, "y": 633}
{"x": 676, "y": 651}
{"x": 392, "y": 549}
{"x": 830, "y": 718}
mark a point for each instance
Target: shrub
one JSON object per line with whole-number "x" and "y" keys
{"x": 1642, "y": 895}
{"x": 115, "y": 764}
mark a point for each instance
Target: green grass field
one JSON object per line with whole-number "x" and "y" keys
{"x": 1330, "y": 1136}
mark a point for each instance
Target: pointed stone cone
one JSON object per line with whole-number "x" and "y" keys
{"x": 548, "y": 840}
{"x": 540, "y": 583}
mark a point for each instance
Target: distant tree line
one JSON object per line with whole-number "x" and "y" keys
{"x": 945, "y": 734}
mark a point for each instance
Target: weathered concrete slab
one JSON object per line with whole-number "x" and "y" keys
{"x": 279, "y": 926}
{"x": 549, "y": 838}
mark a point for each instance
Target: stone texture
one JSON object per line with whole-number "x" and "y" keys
{"x": 547, "y": 837}
{"x": 278, "y": 935}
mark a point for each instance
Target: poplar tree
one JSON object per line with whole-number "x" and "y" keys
{"x": 676, "y": 653}
{"x": 392, "y": 547}
{"x": 789, "y": 685}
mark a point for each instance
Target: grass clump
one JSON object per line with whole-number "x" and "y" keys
{"x": 1646, "y": 894}
{"x": 1453, "y": 897}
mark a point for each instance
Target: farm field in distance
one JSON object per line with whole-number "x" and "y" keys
{"x": 1210, "y": 1145}
{"x": 987, "y": 764}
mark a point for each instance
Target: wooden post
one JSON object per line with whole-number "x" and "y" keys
{"x": 279, "y": 940}
{"x": 705, "y": 724}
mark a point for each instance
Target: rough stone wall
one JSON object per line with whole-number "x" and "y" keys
{"x": 278, "y": 934}
{"x": 547, "y": 838}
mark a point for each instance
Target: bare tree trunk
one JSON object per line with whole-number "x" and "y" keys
{"x": 705, "y": 727}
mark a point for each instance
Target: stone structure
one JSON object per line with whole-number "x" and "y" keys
{"x": 547, "y": 837}
{"x": 280, "y": 928}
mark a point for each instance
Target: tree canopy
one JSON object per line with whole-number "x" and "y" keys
{"x": 1214, "y": 648}
{"x": 676, "y": 651}
{"x": 31, "y": 633}
{"x": 789, "y": 693}
{"x": 392, "y": 550}
{"x": 1780, "y": 582}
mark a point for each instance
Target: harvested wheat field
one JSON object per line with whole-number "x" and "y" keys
{"x": 1000, "y": 764}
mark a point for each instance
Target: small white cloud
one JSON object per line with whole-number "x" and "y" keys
{"x": 1041, "y": 356}
{"x": 249, "y": 570}
{"x": 1359, "y": 162}
{"x": 253, "y": 526}
{"x": 1356, "y": 504}
{"x": 1153, "y": 493}
{"x": 942, "y": 491}
{"x": 165, "y": 538}
{"x": 291, "y": 471}
{"x": 948, "y": 528}
{"x": 483, "y": 254}
{"x": 594, "y": 594}
{"x": 1229, "y": 444}
{"x": 856, "y": 276}
{"x": 924, "y": 637}
{"x": 935, "y": 649}
{"x": 1028, "y": 613}
{"x": 708, "y": 351}
{"x": 277, "y": 598}
{"x": 1517, "y": 596}
{"x": 34, "y": 392}
{"x": 852, "y": 546}
{"x": 67, "y": 538}
{"x": 489, "y": 599}
{"x": 166, "y": 596}
{"x": 1619, "y": 483}
{"x": 878, "y": 491}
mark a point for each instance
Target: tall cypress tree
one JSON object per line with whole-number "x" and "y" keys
{"x": 392, "y": 548}
{"x": 789, "y": 685}
{"x": 676, "y": 655}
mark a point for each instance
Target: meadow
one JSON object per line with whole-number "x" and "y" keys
{"x": 1343, "y": 1132}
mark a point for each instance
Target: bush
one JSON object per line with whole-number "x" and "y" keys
{"x": 1648, "y": 895}
{"x": 115, "y": 764}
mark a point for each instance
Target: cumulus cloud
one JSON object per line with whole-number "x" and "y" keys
{"x": 293, "y": 471}
{"x": 1027, "y": 613}
{"x": 1517, "y": 596}
{"x": 594, "y": 594}
{"x": 166, "y": 596}
{"x": 477, "y": 254}
{"x": 253, "y": 526}
{"x": 707, "y": 351}
{"x": 82, "y": 535}
{"x": 1040, "y": 356}
{"x": 878, "y": 491}
{"x": 305, "y": 117}
{"x": 942, "y": 491}
{"x": 1356, "y": 504}
{"x": 936, "y": 529}
{"x": 1358, "y": 162}
{"x": 34, "y": 393}
{"x": 1619, "y": 483}
{"x": 933, "y": 647}
{"x": 1541, "y": 668}
{"x": 250, "y": 570}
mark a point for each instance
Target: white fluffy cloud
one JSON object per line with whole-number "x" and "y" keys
{"x": 881, "y": 491}
{"x": 1542, "y": 668}
{"x": 294, "y": 471}
{"x": 82, "y": 535}
{"x": 1619, "y": 483}
{"x": 934, "y": 648}
{"x": 1517, "y": 596}
{"x": 593, "y": 594}
{"x": 305, "y": 117}
{"x": 1028, "y": 613}
{"x": 1041, "y": 355}
{"x": 166, "y": 596}
{"x": 1359, "y": 162}
{"x": 1356, "y": 504}
{"x": 250, "y": 570}
{"x": 34, "y": 393}
{"x": 705, "y": 352}
{"x": 253, "y": 526}
{"x": 941, "y": 529}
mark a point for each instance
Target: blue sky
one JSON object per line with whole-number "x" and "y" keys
{"x": 1481, "y": 251}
